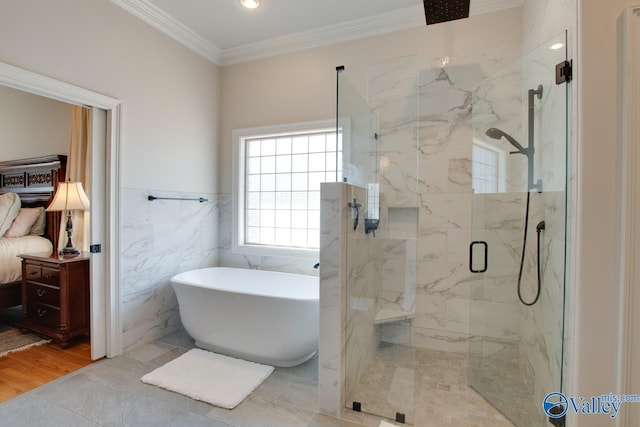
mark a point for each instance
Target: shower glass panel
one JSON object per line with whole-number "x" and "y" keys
{"x": 519, "y": 185}
{"x": 377, "y": 123}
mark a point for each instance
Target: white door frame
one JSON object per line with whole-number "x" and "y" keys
{"x": 21, "y": 79}
{"x": 629, "y": 320}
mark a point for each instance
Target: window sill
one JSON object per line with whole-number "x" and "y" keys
{"x": 276, "y": 251}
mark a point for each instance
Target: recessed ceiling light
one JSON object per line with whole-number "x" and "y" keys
{"x": 556, "y": 46}
{"x": 250, "y": 4}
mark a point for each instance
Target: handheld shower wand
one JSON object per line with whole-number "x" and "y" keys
{"x": 498, "y": 134}
{"x": 495, "y": 133}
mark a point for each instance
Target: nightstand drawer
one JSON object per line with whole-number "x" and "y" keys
{"x": 43, "y": 294}
{"x": 55, "y": 295}
{"x": 33, "y": 272}
{"x": 42, "y": 274}
{"x": 50, "y": 276}
{"x": 45, "y": 314}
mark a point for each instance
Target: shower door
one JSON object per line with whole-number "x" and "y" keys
{"x": 517, "y": 253}
{"x": 377, "y": 121}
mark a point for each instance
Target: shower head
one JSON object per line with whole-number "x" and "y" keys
{"x": 496, "y": 133}
{"x": 437, "y": 11}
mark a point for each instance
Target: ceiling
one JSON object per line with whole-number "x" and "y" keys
{"x": 225, "y": 32}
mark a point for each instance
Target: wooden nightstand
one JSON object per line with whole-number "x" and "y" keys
{"x": 55, "y": 296}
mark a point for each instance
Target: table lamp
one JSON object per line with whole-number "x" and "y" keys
{"x": 69, "y": 196}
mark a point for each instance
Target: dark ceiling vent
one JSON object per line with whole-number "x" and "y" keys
{"x": 437, "y": 11}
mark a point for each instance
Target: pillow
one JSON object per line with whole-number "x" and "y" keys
{"x": 21, "y": 226}
{"x": 9, "y": 208}
{"x": 37, "y": 229}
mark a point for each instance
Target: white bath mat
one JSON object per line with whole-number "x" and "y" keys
{"x": 213, "y": 378}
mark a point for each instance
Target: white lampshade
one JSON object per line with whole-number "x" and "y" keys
{"x": 69, "y": 196}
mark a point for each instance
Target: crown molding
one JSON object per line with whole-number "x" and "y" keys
{"x": 173, "y": 28}
{"x": 398, "y": 20}
{"x": 478, "y": 7}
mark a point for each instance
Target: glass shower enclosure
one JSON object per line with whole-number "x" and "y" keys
{"x": 377, "y": 123}
{"x": 453, "y": 316}
{"x": 519, "y": 226}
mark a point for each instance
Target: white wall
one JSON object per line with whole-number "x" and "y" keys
{"x": 32, "y": 126}
{"x": 170, "y": 98}
{"x": 597, "y": 279}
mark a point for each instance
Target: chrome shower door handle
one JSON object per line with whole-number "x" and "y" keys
{"x": 486, "y": 256}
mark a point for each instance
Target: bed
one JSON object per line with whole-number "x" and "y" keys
{"x": 34, "y": 181}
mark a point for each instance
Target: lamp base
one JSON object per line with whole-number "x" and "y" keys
{"x": 70, "y": 249}
{"x": 69, "y": 252}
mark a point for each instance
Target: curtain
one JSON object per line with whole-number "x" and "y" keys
{"x": 79, "y": 170}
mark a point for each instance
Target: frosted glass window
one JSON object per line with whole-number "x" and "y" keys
{"x": 253, "y": 149}
{"x": 299, "y": 181}
{"x": 253, "y": 200}
{"x": 283, "y": 164}
{"x": 253, "y": 165}
{"x": 283, "y": 146}
{"x": 267, "y": 201}
{"x": 317, "y": 143}
{"x": 267, "y": 182}
{"x": 267, "y": 147}
{"x": 300, "y": 163}
{"x": 253, "y": 183}
{"x": 317, "y": 162}
{"x": 268, "y": 165}
{"x": 283, "y": 200}
{"x": 485, "y": 167}
{"x": 282, "y": 187}
{"x": 283, "y": 182}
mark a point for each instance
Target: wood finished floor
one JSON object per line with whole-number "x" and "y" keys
{"x": 25, "y": 370}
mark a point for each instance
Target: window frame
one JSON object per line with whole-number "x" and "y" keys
{"x": 239, "y": 136}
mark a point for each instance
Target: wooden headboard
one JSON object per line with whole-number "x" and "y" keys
{"x": 35, "y": 180}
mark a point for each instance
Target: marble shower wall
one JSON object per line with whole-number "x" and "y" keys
{"x": 350, "y": 287}
{"x": 423, "y": 112}
{"x": 393, "y": 99}
{"x": 363, "y": 292}
{"x": 448, "y": 296}
{"x": 541, "y": 326}
{"x": 160, "y": 239}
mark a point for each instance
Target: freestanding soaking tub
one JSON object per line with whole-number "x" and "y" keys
{"x": 261, "y": 316}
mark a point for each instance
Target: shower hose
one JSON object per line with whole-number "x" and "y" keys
{"x": 539, "y": 228}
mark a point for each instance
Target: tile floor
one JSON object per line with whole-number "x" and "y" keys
{"x": 109, "y": 393}
{"x": 430, "y": 387}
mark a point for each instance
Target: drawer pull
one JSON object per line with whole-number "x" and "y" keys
{"x": 41, "y": 292}
{"x": 33, "y": 273}
{"x": 48, "y": 276}
{"x": 41, "y": 311}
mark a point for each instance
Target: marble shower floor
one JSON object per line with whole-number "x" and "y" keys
{"x": 428, "y": 386}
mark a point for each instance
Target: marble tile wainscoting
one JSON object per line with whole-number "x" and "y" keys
{"x": 350, "y": 289}
{"x": 159, "y": 239}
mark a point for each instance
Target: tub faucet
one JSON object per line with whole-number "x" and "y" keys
{"x": 317, "y": 266}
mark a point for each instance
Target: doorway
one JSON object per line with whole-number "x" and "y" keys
{"x": 106, "y": 330}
